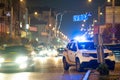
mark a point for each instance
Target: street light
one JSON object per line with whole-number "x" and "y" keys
{"x": 108, "y": 0}
{"x": 21, "y": 0}
{"x": 89, "y": 0}
{"x": 36, "y": 13}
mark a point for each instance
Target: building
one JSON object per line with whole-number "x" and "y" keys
{"x": 42, "y": 28}
{"x": 12, "y": 16}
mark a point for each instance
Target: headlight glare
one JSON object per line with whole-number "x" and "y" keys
{"x": 21, "y": 59}
{"x": 23, "y": 66}
{"x": 2, "y": 60}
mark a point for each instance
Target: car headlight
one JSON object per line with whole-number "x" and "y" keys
{"x": 85, "y": 54}
{"x": 2, "y": 60}
{"x": 33, "y": 53}
{"x": 21, "y": 59}
{"x": 111, "y": 54}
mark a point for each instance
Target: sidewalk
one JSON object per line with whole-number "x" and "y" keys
{"x": 94, "y": 75}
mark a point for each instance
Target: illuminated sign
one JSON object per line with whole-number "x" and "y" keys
{"x": 81, "y": 17}
{"x": 33, "y": 28}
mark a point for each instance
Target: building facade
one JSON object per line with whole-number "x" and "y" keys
{"x": 12, "y": 14}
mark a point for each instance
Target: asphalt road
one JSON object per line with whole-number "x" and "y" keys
{"x": 48, "y": 68}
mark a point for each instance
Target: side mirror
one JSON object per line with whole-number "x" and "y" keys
{"x": 65, "y": 49}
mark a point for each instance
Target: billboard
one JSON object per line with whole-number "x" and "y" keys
{"x": 109, "y": 14}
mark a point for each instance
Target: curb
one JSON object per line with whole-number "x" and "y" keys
{"x": 86, "y": 75}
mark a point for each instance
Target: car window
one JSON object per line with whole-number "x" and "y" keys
{"x": 73, "y": 47}
{"x": 69, "y": 45}
{"x": 86, "y": 45}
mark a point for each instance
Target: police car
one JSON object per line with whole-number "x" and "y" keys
{"x": 84, "y": 55}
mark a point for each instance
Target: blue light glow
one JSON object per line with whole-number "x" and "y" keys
{"x": 80, "y": 38}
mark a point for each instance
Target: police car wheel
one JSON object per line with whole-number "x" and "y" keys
{"x": 65, "y": 64}
{"x": 78, "y": 66}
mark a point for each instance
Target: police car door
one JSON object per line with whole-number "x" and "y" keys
{"x": 72, "y": 52}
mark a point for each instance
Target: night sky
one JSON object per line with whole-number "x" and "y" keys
{"x": 68, "y": 27}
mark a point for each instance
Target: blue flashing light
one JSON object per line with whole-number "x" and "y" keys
{"x": 82, "y": 39}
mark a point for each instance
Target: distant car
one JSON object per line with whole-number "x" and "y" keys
{"x": 60, "y": 51}
{"x": 84, "y": 55}
{"x": 115, "y": 48}
{"x": 16, "y": 58}
{"x": 48, "y": 52}
{"x": 52, "y": 53}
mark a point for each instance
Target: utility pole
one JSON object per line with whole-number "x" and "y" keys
{"x": 100, "y": 44}
{"x": 11, "y": 22}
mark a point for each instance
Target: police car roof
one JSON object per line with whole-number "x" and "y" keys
{"x": 81, "y": 41}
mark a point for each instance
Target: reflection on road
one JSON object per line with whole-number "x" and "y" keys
{"x": 40, "y": 76}
{"x": 47, "y": 68}
{"x": 117, "y": 57}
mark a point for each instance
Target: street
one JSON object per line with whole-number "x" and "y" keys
{"x": 48, "y": 68}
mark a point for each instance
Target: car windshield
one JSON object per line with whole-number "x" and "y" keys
{"x": 86, "y": 45}
{"x": 16, "y": 49}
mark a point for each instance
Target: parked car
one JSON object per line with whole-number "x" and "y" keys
{"x": 84, "y": 55}
{"x": 16, "y": 58}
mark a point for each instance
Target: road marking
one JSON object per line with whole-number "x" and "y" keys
{"x": 87, "y": 75}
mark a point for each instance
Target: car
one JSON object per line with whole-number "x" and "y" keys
{"x": 17, "y": 57}
{"x": 83, "y": 55}
{"x": 114, "y": 47}
{"x": 52, "y": 53}
{"x": 60, "y": 51}
{"x": 48, "y": 52}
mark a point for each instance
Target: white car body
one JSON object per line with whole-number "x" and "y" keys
{"x": 87, "y": 57}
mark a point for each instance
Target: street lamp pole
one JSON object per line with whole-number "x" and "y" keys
{"x": 60, "y": 21}
{"x": 56, "y": 23}
{"x": 113, "y": 22}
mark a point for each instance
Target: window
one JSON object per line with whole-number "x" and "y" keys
{"x": 86, "y": 45}
{"x": 74, "y": 47}
{"x": 69, "y": 45}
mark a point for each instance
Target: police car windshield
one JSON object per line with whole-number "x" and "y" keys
{"x": 86, "y": 45}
